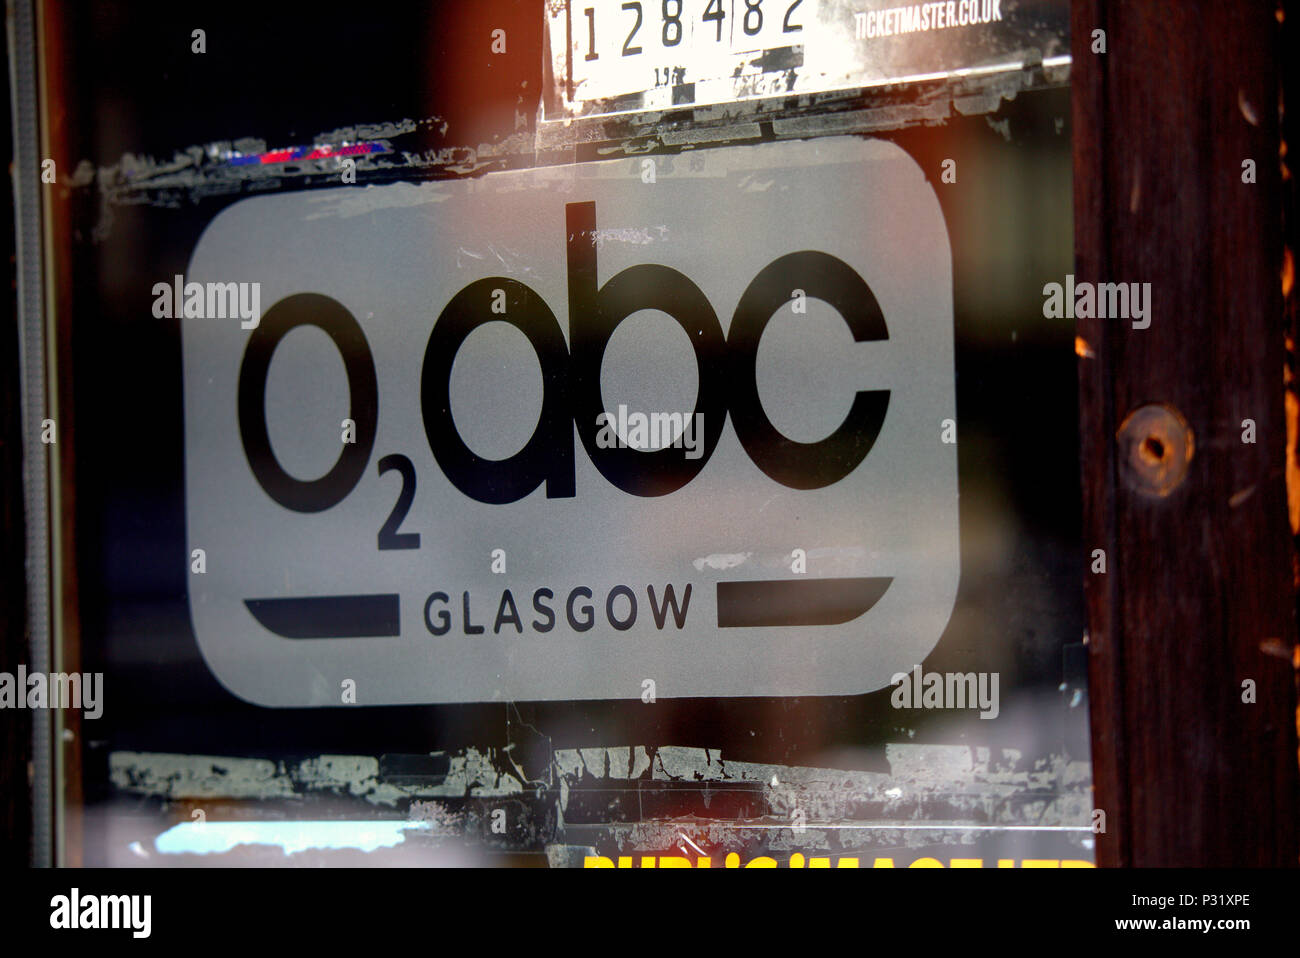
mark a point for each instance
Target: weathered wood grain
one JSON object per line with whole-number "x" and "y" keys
{"x": 1198, "y": 594}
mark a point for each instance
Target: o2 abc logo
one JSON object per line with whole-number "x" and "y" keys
{"x": 663, "y": 306}
{"x": 571, "y": 379}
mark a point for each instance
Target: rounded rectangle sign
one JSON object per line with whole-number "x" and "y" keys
{"x": 662, "y": 426}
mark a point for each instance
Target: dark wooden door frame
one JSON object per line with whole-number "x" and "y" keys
{"x": 1198, "y": 594}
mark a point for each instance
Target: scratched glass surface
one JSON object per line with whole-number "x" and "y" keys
{"x": 180, "y": 771}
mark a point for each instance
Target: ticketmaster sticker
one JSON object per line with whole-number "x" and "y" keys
{"x": 670, "y": 424}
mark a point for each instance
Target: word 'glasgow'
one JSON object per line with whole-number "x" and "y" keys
{"x": 620, "y": 610}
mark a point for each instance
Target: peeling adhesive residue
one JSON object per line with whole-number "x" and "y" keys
{"x": 472, "y": 773}
{"x": 932, "y": 794}
{"x": 642, "y": 797}
{"x": 364, "y": 200}
{"x": 721, "y": 560}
